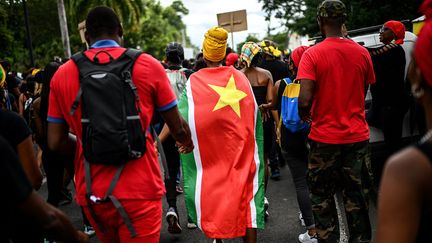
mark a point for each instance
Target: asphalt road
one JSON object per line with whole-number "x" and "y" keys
{"x": 283, "y": 225}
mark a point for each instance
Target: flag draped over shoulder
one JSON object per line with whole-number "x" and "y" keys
{"x": 224, "y": 175}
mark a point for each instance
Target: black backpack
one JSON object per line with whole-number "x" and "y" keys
{"x": 111, "y": 127}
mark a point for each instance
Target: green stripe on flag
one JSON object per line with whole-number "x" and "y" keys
{"x": 188, "y": 165}
{"x": 259, "y": 196}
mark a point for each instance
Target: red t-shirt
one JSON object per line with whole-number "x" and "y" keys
{"x": 141, "y": 178}
{"x": 340, "y": 68}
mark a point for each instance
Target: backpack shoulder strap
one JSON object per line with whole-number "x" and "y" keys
{"x": 287, "y": 80}
{"x": 79, "y": 58}
{"x": 82, "y": 62}
{"x": 133, "y": 53}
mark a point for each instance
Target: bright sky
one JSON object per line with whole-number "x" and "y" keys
{"x": 202, "y": 16}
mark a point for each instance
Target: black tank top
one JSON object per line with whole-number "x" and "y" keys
{"x": 425, "y": 225}
{"x": 260, "y": 93}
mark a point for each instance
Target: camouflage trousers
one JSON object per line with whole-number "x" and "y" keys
{"x": 344, "y": 167}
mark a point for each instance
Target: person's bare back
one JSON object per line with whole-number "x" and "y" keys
{"x": 257, "y": 76}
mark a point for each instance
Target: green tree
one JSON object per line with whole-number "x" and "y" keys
{"x": 158, "y": 27}
{"x": 6, "y": 37}
{"x": 129, "y": 11}
{"x": 12, "y": 35}
{"x": 300, "y": 15}
{"x": 45, "y": 31}
{"x": 151, "y": 29}
{"x": 45, "y": 35}
{"x": 155, "y": 28}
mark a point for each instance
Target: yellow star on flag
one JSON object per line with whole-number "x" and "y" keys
{"x": 229, "y": 95}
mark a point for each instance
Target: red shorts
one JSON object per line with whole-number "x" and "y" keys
{"x": 146, "y": 217}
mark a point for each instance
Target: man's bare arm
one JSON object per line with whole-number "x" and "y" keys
{"x": 274, "y": 102}
{"x": 164, "y": 134}
{"x": 59, "y": 139}
{"x": 305, "y": 99}
{"x": 179, "y": 129}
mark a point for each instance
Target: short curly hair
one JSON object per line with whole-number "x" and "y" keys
{"x": 102, "y": 20}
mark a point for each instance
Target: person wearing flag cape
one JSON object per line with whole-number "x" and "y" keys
{"x": 224, "y": 175}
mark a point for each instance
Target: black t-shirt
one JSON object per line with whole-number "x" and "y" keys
{"x": 13, "y": 128}
{"x": 389, "y": 68}
{"x": 277, "y": 68}
{"x": 15, "y": 186}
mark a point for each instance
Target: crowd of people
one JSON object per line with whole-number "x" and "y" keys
{"x": 219, "y": 126}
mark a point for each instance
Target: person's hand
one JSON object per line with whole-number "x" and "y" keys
{"x": 265, "y": 115}
{"x": 185, "y": 148}
{"x": 307, "y": 118}
{"x": 278, "y": 135}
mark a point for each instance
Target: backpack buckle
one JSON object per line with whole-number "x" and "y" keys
{"x": 97, "y": 200}
{"x": 127, "y": 76}
{"x": 135, "y": 154}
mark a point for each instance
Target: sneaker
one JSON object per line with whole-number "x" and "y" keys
{"x": 172, "y": 219}
{"x": 191, "y": 225}
{"x": 301, "y": 220}
{"x": 275, "y": 174}
{"x": 306, "y": 238}
{"x": 89, "y": 231}
{"x": 266, "y": 206}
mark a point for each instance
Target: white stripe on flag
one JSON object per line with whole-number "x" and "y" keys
{"x": 197, "y": 156}
{"x": 255, "y": 179}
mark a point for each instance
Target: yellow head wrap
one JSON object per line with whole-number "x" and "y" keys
{"x": 35, "y": 71}
{"x": 269, "y": 47}
{"x": 215, "y": 44}
{"x": 2, "y": 76}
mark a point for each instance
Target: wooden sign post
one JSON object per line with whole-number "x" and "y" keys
{"x": 233, "y": 22}
{"x": 82, "y": 29}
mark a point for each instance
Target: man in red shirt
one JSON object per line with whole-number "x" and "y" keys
{"x": 333, "y": 75}
{"x": 140, "y": 186}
